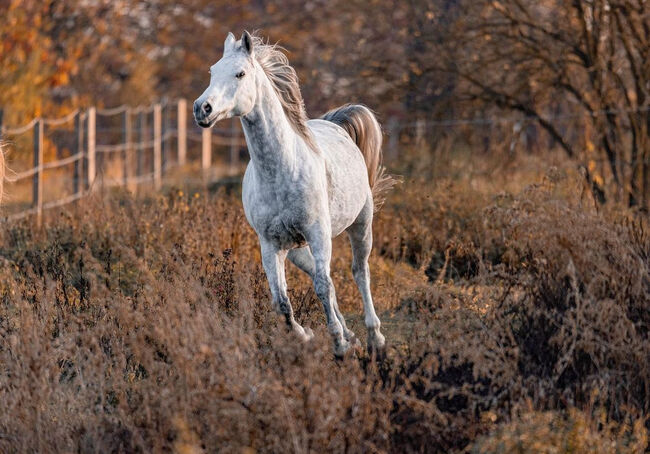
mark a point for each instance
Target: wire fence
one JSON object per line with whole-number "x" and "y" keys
{"x": 121, "y": 146}
{"x": 131, "y": 146}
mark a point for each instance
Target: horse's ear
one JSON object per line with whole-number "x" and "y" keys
{"x": 247, "y": 43}
{"x": 229, "y": 42}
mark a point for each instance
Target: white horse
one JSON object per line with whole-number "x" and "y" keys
{"x": 307, "y": 181}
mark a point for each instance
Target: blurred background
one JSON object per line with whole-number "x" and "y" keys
{"x": 562, "y": 80}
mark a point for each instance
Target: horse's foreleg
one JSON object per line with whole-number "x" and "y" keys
{"x": 360, "y": 234}
{"x": 273, "y": 262}
{"x": 320, "y": 243}
{"x": 302, "y": 258}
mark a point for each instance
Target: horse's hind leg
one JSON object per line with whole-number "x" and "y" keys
{"x": 360, "y": 233}
{"x": 302, "y": 258}
{"x": 273, "y": 262}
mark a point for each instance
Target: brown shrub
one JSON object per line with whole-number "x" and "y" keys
{"x": 578, "y": 305}
{"x": 553, "y": 432}
{"x": 428, "y": 220}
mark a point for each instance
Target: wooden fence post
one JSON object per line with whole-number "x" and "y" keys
{"x": 182, "y": 131}
{"x": 90, "y": 177}
{"x": 37, "y": 195}
{"x": 78, "y": 144}
{"x": 127, "y": 154}
{"x": 142, "y": 138}
{"x": 206, "y": 148}
{"x": 234, "y": 145}
{"x": 1, "y": 115}
{"x": 164, "y": 114}
{"x": 157, "y": 146}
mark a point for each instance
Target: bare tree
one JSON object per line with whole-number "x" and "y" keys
{"x": 569, "y": 65}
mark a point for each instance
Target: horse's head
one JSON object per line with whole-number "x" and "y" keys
{"x": 232, "y": 84}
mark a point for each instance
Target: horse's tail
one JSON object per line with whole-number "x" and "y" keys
{"x": 363, "y": 127}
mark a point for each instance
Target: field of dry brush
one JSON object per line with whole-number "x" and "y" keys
{"x": 516, "y": 312}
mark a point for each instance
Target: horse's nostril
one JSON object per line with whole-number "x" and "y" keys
{"x": 207, "y": 108}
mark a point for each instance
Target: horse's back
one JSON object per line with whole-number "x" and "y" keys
{"x": 338, "y": 149}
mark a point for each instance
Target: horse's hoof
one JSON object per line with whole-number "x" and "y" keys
{"x": 352, "y": 339}
{"x": 341, "y": 348}
{"x": 308, "y": 335}
{"x": 303, "y": 333}
{"x": 376, "y": 344}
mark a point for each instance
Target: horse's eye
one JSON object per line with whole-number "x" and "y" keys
{"x": 240, "y": 75}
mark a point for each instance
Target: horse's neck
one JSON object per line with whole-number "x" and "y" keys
{"x": 270, "y": 138}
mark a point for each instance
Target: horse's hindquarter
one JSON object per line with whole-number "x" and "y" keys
{"x": 347, "y": 175}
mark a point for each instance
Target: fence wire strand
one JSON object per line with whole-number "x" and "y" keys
{"x": 133, "y": 145}
{"x": 21, "y": 129}
{"x": 60, "y": 121}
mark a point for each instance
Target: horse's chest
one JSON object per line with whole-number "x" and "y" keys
{"x": 284, "y": 232}
{"x": 279, "y": 220}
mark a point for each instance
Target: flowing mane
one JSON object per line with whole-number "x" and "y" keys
{"x": 285, "y": 82}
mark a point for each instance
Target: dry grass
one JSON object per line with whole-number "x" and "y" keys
{"x": 573, "y": 432}
{"x": 143, "y": 325}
